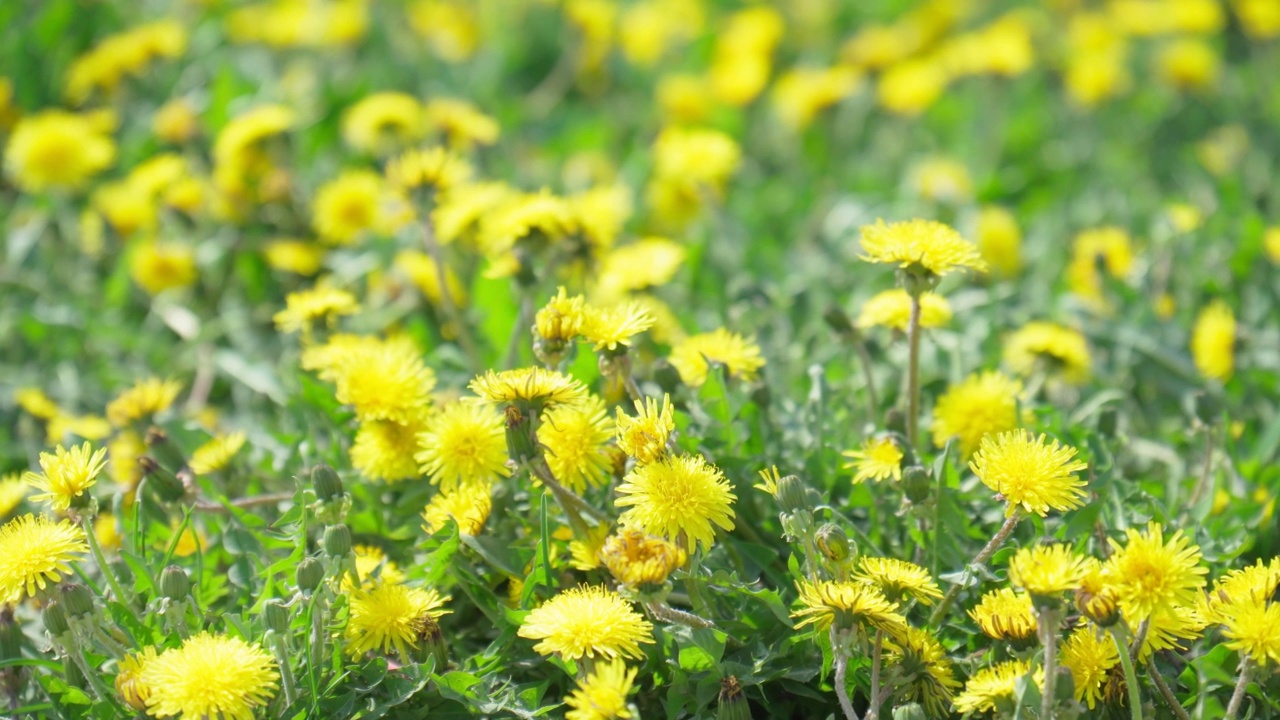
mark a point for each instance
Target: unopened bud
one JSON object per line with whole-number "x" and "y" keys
{"x": 337, "y": 540}
{"x": 163, "y": 450}
{"x": 916, "y": 484}
{"x": 174, "y": 583}
{"x": 911, "y": 711}
{"x": 167, "y": 485}
{"x": 276, "y": 615}
{"x": 792, "y": 495}
{"x": 732, "y": 703}
{"x": 309, "y": 575}
{"x": 76, "y": 600}
{"x": 1100, "y": 607}
{"x": 55, "y": 619}
{"x": 326, "y": 482}
{"x": 430, "y": 643}
{"x": 833, "y": 542}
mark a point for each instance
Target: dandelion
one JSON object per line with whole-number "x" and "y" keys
{"x": 67, "y": 474}
{"x": 639, "y": 560}
{"x": 646, "y": 263}
{"x": 682, "y": 499}
{"x": 461, "y": 122}
{"x": 1252, "y": 628}
{"x": 423, "y": 271}
{"x": 35, "y": 403}
{"x": 1046, "y": 347}
{"x": 372, "y": 564}
{"x": 644, "y": 437}
{"x": 879, "y": 459}
{"x": 122, "y": 455}
{"x": 532, "y": 387}
{"x": 385, "y": 450}
{"x": 381, "y": 121}
{"x": 1258, "y": 581}
{"x": 390, "y": 615}
{"x": 943, "y": 180}
{"x": 1090, "y": 655}
{"x": 562, "y": 318}
{"x": 1046, "y": 571}
{"x": 146, "y": 398}
{"x": 847, "y": 605}
{"x": 433, "y": 168}
{"x": 801, "y": 93}
{"x": 382, "y": 380}
{"x": 1000, "y": 240}
{"x": 1006, "y": 615}
{"x": 980, "y": 405}
{"x": 463, "y": 444}
{"x": 210, "y": 676}
{"x": 293, "y": 256}
{"x": 1095, "y": 598}
{"x": 921, "y": 664}
{"x": 468, "y": 505}
{"x": 587, "y": 621}
{"x": 911, "y": 87}
{"x": 533, "y": 216}
{"x": 1106, "y": 247}
{"x": 13, "y": 490}
{"x": 34, "y": 552}
{"x": 926, "y": 245}
{"x": 129, "y": 685}
{"x": 892, "y": 309}
{"x": 696, "y": 158}
{"x": 992, "y": 687}
{"x": 307, "y": 307}
{"x": 613, "y": 327}
{"x": 1213, "y": 341}
{"x": 160, "y": 266}
{"x": 87, "y": 427}
{"x": 575, "y": 438}
{"x": 215, "y": 454}
{"x": 351, "y": 205}
{"x": 602, "y": 694}
{"x": 1167, "y": 627}
{"x": 692, "y": 357}
{"x": 175, "y": 122}
{"x": 1029, "y": 472}
{"x": 898, "y": 579}
{"x": 57, "y": 150}
{"x": 1189, "y": 64}
{"x": 601, "y": 213}
{"x": 1149, "y": 573}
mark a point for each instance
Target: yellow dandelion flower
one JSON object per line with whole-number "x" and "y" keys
{"x": 898, "y": 579}
{"x": 561, "y": 319}
{"x": 1252, "y": 627}
{"x": 176, "y": 121}
{"x": 384, "y": 450}
{"x": 67, "y": 474}
{"x": 847, "y": 605}
{"x": 801, "y": 93}
{"x": 925, "y": 244}
{"x": 107, "y": 532}
{"x": 684, "y": 98}
{"x": 450, "y": 28}
{"x": 682, "y": 499}
{"x": 36, "y": 552}
{"x": 87, "y": 427}
{"x": 879, "y": 459}
{"x": 383, "y": 380}
{"x": 602, "y": 694}
{"x": 1047, "y": 347}
{"x": 528, "y": 386}
{"x": 585, "y": 551}
{"x": 980, "y": 405}
{"x": 468, "y": 505}
{"x": 614, "y": 326}
{"x": 435, "y": 168}
{"x": 1029, "y": 472}
{"x": 648, "y": 262}
{"x": 1095, "y": 598}
{"x": 146, "y": 398}
{"x": 373, "y": 567}
{"x": 911, "y": 87}
{"x": 210, "y": 676}
{"x": 695, "y": 158}
{"x": 216, "y": 453}
{"x": 355, "y": 203}
{"x": 191, "y": 541}
{"x": 1213, "y": 341}
{"x": 390, "y": 616}
{"x": 920, "y": 660}
{"x": 1000, "y": 240}
{"x": 601, "y": 213}
{"x": 1168, "y": 627}
{"x": 892, "y": 309}
{"x": 122, "y": 453}
{"x": 293, "y": 256}
{"x": 160, "y": 266}
{"x": 1090, "y": 655}
{"x": 1189, "y": 64}
{"x": 463, "y": 444}
{"x": 382, "y": 121}
{"x": 57, "y": 150}
{"x": 692, "y": 356}
{"x": 1256, "y": 582}
{"x": 575, "y": 438}
{"x": 422, "y": 270}
{"x": 992, "y": 687}
{"x": 1106, "y": 247}
{"x": 463, "y": 123}
{"x": 242, "y": 137}
{"x": 1149, "y": 574}
{"x": 129, "y": 686}
{"x": 304, "y": 308}
{"x": 1006, "y": 615}
{"x": 13, "y": 490}
{"x": 587, "y": 621}
{"x": 639, "y": 560}
{"x": 942, "y": 179}
{"x": 539, "y": 216}
{"x": 1046, "y": 571}
{"x": 35, "y": 403}
{"x": 644, "y": 437}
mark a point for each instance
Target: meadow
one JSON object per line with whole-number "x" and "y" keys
{"x": 888, "y": 360}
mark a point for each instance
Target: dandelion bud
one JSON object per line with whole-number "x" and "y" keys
{"x": 129, "y": 685}
{"x": 326, "y": 482}
{"x": 1100, "y": 607}
{"x": 276, "y": 615}
{"x": 10, "y": 635}
{"x": 732, "y": 703}
{"x": 792, "y": 495}
{"x": 1206, "y": 407}
{"x": 165, "y": 452}
{"x": 309, "y": 575}
{"x": 911, "y": 711}
{"x": 916, "y": 483}
{"x": 123, "y": 573}
{"x": 167, "y": 485}
{"x": 833, "y": 542}
{"x": 174, "y": 583}
{"x": 430, "y": 643}
{"x": 77, "y": 601}
{"x": 55, "y": 619}
{"x": 337, "y": 541}
{"x": 895, "y": 421}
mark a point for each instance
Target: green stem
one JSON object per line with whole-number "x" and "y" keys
{"x": 913, "y": 371}
{"x": 1120, "y": 637}
{"x": 451, "y": 311}
{"x": 979, "y": 560}
{"x": 1169, "y": 698}
{"x": 101, "y": 559}
{"x": 1237, "y": 697}
{"x": 841, "y": 654}
{"x": 1048, "y": 622}
{"x": 877, "y": 657}
{"x": 287, "y": 681}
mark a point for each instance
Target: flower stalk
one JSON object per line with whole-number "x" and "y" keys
{"x": 979, "y": 560}
{"x": 1237, "y": 697}
{"x": 1120, "y": 637}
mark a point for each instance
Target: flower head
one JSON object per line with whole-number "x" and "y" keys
{"x": 463, "y": 444}
{"x": 980, "y": 405}
{"x": 682, "y": 498}
{"x": 36, "y": 403}
{"x": 575, "y": 438}
{"x": 210, "y": 676}
{"x": 1006, "y": 615}
{"x": 1213, "y": 341}
{"x": 614, "y": 326}
{"x": 692, "y": 356}
{"x": 643, "y": 264}
{"x": 562, "y": 318}
{"x": 353, "y": 204}
{"x": 1045, "y": 571}
{"x": 1044, "y": 346}
{"x": 34, "y": 552}
{"x": 390, "y": 616}
{"x": 461, "y": 122}
{"x": 382, "y": 379}
{"x": 919, "y": 661}
{"x": 898, "y": 579}
{"x": 892, "y": 309}
{"x": 931, "y": 246}
{"x": 382, "y": 121}
{"x": 533, "y": 387}
{"x": 385, "y": 450}
{"x": 1029, "y": 472}
{"x": 13, "y": 490}
{"x": 435, "y": 168}
{"x": 215, "y": 454}
{"x": 1149, "y": 573}
{"x": 1258, "y": 581}
{"x": 1252, "y": 627}
{"x": 1090, "y": 655}
{"x": 468, "y": 505}
{"x": 67, "y": 474}
{"x": 991, "y": 687}
{"x": 879, "y": 459}
{"x": 644, "y": 437}
{"x": 307, "y": 307}
{"x": 639, "y": 560}
{"x": 129, "y": 685}
{"x": 144, "y": 399}
{"x": 372, "y": 565}
{"x": 602, "y": 694}
{"x": 847, "y": 605}
{"x": 1095, "y": 598}
{"x": 587, "y": 621}
{"x": 1000, "y": 239}
{"x": 160, "y": 266}
{"x": 57, "y": 150}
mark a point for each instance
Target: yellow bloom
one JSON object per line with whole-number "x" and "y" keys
{"x": 238, "y": 151}
{"x": 176, "y": 121}
{"x": 1044, "y": 346}
{"x": 639, "y": 560}
{"x": 695, "y": 157}
{"x": 450, "y": 28}
{"x": 681, "y": 498}
{"x": 942, "y": 179}
{"x": 13, "y": 490}
{"x": 981, "y": 404}
{"x": 739, "y": 355}
{"x": 293, "y": 256}
{"x": 461, "y": 122}
{"x": 351, "y": 205}
{"x": 468, "y": 505}
{"x": 1255, "y": 582}
{"x": 305, "y": 307}
{"x": 435, "y": 168}
{"x": 1252, "y": 627}
{"x": 587, "y": 621}
{"x": 847, "y": 605}
{"x": 388, "y": 616}
{"x": 1259, "y": 18}
{"x": 425, "y": 274}
{"x": 382, "y": 121}
{"x": 67, "y": 474}
{"x": 383, "y": 380}
{"x": 463, "y": 444}
{"x": 684, "y": 98}
{"x": 1029, "y": 472}
{"x": 122, "y": 453}
{"x": 586, "y": 550}
{"x": 1221, "y": 151}
{"x": 128, "y": 682}
{"x": 892, "y": 309}
{"x": 911, "y": 87}
{"x": 561, "y": 319}
{"x": 879, "y": 459}
{"x": 107, "y": 532}
{"x": 1006, "y": 615}
{"x": 575, "y": 438}
{"x": 898, "y": 579}
{"x": 531, "y": 386}
{"x": 1168, "y": 627}
{"x": 36, "y": 403}
{"x": 216, "y": 453}
{"x": 648, "y": 262}
{"x": 601, "y": 212}
{"x": 160, "y": 266}
{"x": 614, "y": 326}
{"x": 644, "y": 437}
{"x": 1148, "y": 574}
{"x": 1189, "y": 64}
{"x": 57, "y": 150}
{"x": 1090, "y": 655}
{"x": 1046, "y": 571}
{"x": 210, "y": 676}
{"x": 540, "y": 216}
{"x": 922, "y": 662}
{"x": 146, "y": 398}
{"x": 385, "y": 450}
{"x": 36, "y": 552}
{"x": 801, "y": 93}
{"x": 1213, "y": 341}
{"x": 122, "y": 55}
{"x": 1109, "y": 247}
{"x": 87, "y": 427}
{"x": 925, "y": 244}
{"x": 373, "y": 567}
{"x": 1092, "y": 78}
{"x": 1000, "y": 240}
{"x": 602, "y": 694}
{"x": 991, "y": 687}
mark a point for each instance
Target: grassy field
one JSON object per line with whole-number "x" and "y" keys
{"x": 640, "y": 359}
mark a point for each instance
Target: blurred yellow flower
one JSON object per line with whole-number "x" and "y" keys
{"x": 304, "y": 308}
{"x": 801, "y": 93}
{"x": 123, "y": 55}
{"x": 381, "y": 122}
{"x": 1044, "y": 347}
{"x": 739, "y": 355}
{"x": 684, "y": 98}
{"x": 293, "y": 256}
{"x": 355, "y": 203}
{"x": 452, "y": 29}
{"x": 216, "y": 453}
{"x": 892, "y": 309}
{"x": 57, "y": 150}
{"x": 434, "y": 168}
{"x": 981, "y": 404}
{"x": 1213, "y": 341}
{"x": 159, "y": 266}
{"x": 146, "y": 398}
{"x": 176, "y": 121}
{"x": 1189, "y": 64}
{"x": 425, "y": 274}
{"x": 911, "y": 86}
{"x": 13, "y": 490}
{"x": 942, "y": 179}
{"x": 461, "y": 122}
{"x": 645, "y": 263}
{"x": 1000, "y": 240}
{"x": 1259, "y": 18}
